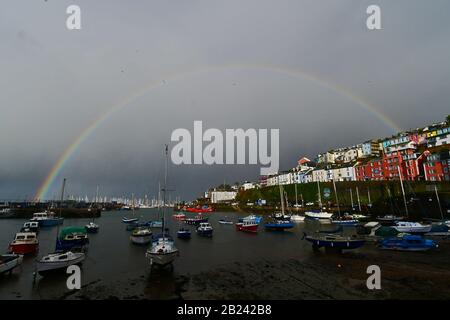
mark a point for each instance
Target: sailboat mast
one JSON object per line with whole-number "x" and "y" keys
{"x": 403, "y": 190}
{"x": 368, "y": 197}
{"x": 351, "y": 197}
{"x": 336, "y": 196}
{"x": 439, "y": 202}
{"x": 359, "y": 200}
{"x": 62, "y": 196}
{"x": 281, "y": 198}
{"x": 164, "y": 189}
{"x": 320, "y": 198}
{"x": 296, "y": 200}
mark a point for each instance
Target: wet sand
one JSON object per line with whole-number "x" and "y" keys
{"x": 404, "y": 275}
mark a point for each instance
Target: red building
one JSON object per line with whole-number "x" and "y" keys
{"x": 369, "y": 170}
{"x": 437, "y": 166}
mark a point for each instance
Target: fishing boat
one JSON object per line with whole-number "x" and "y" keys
{"x": 297, "y": 218}
{"x": 318, "y": 215}
{"x": 196, "y": 221}
{"x": 58, "y": 262}
{"x": 205, "y": 229}
{"x": 225, "y": 221}
{"x": 163, "y": 250}
{"x": 247, "y": 226}
{"x": 184, "y": 233}
{"x": 252, "y": 217}
{"x": 141, "y": 236}
{"x": 407, "y": 243}
{"x": 279, "y": 225}
{"x": 72, "y": 237}
{"x": 411, "y": 227}
{"x": 179, "y": 216}
{"x": 47, "y": 219}
{"x": 8, "y": 262}
{"x": 24, "y": 243}
{"x": 30, "y": 226}
{"x": 334, "y": 241}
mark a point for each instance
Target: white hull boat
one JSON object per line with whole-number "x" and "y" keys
{"x": 297, "y": 218}
{"x": 9, "y": 261}
{"x": 58, "y": 261}
{"x": 318, "y": 215}
{"x": 141, "y": 236}
{"x": 162, "y": 252}
{"x": 412, "y": 227}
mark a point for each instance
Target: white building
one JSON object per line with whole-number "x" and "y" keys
{"x": 222, "y": 196}
{"x": 248, "y": 185}
{"x": 320, "y": 175}
{"x": 343, "y": 174}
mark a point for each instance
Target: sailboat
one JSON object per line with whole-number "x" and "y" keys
{"x": 163, "y": 251}
{"x": 92, "y": 227}
{"x": 279, "y": 224}
{"x": 130, "y": 220}
{"x": 59, "y": 261}
{"x": 320, "y": 216}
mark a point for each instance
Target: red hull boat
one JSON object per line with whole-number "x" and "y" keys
{"x": 247, "y": 227}
{"x": 197, "y": 210}
{"x": 24, "y": 243}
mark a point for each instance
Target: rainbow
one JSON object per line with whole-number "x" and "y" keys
{"x": 66, "y": 155}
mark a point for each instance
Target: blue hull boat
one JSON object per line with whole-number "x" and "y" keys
{"x": 51, "y": 222}
{"x": 279, "y": 226}
{"x": 334, "y": 241}
{"x": 407, "y": 243}
{"x": 129, "y": 220}
{"x": 64, "y": 245}
{"x": 184, "y": 234}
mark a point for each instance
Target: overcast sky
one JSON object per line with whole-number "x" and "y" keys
{"x": 217, "y": 61}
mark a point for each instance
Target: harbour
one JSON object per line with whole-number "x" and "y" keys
{"x": 229, "y": 265}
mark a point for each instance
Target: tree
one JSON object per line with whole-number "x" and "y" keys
{"x": 448, "y": 119}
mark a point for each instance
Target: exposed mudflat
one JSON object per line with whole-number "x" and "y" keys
{"x": 404, "y": 275}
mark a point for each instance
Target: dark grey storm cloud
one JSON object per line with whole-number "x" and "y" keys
{"x": 217, "y": 61}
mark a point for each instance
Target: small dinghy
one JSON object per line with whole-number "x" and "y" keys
{"x": 92, "y": 227}
{"x": 224, "y": 221}
{"x": 129, "y": 220}
{"x": 407, "y": 243}
{"x": 184, "y": 233}
{"x": 8, "y": 262}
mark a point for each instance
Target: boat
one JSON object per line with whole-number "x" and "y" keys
{"x": 334, "y": 241}
{"x": 8, "y": 262}
{"x": 72, "y": 237}
{"x": 407, "y": 243}
{"x": 225, "y": 221}
{"x": 389, "y": 219}
{"x": 163, "y": 250}
{"x": 204, "y": 209}
{"x": 155, "y": 224}
{"x": 6, "y": 213}
{"x": 141, "y": 235}
{"x": 411, "y": 227}
{"x": 92, "y": 227}
{"x": 318, "y": 215}
{"x": 439, "y": 230}
{"x": 184, "y": 233}
{"x": 47, "y": 219}
{"x": 281, "y": 216}
{"x": 359, "y": 217}
{"x": 196, "y": 221}
{"x": 30, "y": 226}
{"x": 345, "y": 220}
{"x": 129, "y": 220}
{"x": 252, "y": 217}
{"x": 279, "y": 225}
{"x": 58, "y": 262}
{"x": 24, "y": 243}
{"x": 179, "y": 216}
{"x": 205, "y": 229}
{"x": 297, "y": 218}
{"x": 247, "y": 226}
